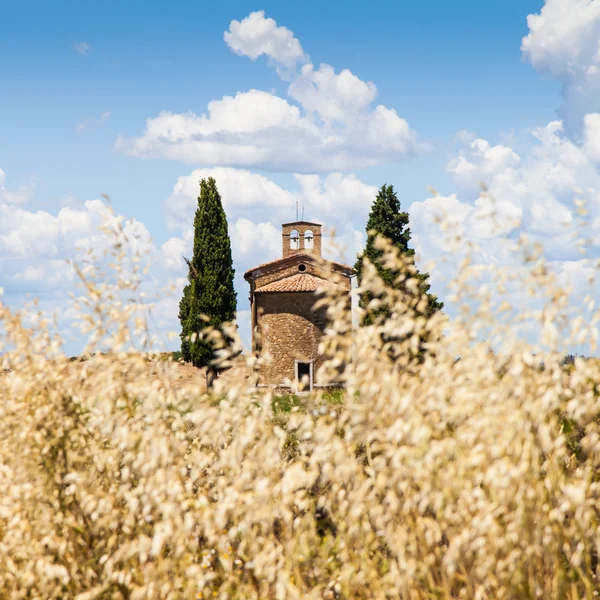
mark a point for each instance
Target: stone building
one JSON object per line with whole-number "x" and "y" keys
{"x": 285, "y": 322}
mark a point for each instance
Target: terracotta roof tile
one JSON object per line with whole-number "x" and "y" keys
{"x": 302, "y": 282}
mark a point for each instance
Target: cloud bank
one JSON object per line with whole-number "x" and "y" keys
{"x": 331, "y": 121}
{"x": 564, "y": 42}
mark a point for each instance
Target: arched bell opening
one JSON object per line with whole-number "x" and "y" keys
{"x": 294, "y": 240}
{"x": 308, "y": 240}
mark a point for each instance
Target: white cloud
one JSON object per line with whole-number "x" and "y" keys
{"x": 31, "y": 273}
{"x": 242, "y": 192}
{"x": 251, "y": 129}
{"x": 82, "y": 48}
{"x": 332, "y": 198}
{"x": 591, "y": 136}
{"x": 174, "y": 250}
{"x": 464, "y": 136}
{"x": 256, "y": 36}
{"x": 336, "y": 198}
{"x": 335, "y": 125}
{"x": 257, "y": 240}
{"x": 26, "y": 233}
{"x": 256, "y": 206}
{"x": 481, "y": 162}
{"x": 342, "y": 241}
{"x": 564, "y": 41}
{"x": 341, "y": 97}
{"x": 257, "y": 129}
{"x": 29, "y": 234}
{"x": 18, "y": 196}
{"x": 102, "y": 118}
{"x": 534, "y": 194}
{"x": 45, "y": 275}
{"x": 431, "y": 243}
{"x": 36, "y": 248}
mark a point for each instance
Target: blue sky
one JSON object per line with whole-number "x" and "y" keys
{"x": 79, "y": 80}
{"x": 444, "y": 67}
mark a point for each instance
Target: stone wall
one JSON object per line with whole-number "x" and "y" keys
{"x": 289, "y": 329}
{"x": 318, "y": 269}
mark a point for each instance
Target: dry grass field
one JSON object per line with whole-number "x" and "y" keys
{"x": 121, "y": 477}
{"x": 180, "y": 375}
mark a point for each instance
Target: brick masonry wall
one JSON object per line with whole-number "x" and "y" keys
{"x": 301, "y": 228}
{"x": 290, "y": 329}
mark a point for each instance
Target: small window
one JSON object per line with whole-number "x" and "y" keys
{"x": 294, "y": 239}
{"x": 301, "y": 268}
{"x": 308, "y": 239}
{"x": 304, "y": 376}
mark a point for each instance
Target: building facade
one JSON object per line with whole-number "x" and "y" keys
{"x": 285, "y": 322}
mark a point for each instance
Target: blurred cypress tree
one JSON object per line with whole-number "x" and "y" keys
{"x": 387, "y": 220}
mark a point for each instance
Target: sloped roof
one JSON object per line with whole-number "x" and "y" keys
{"x": 296, "y": 257}
{"x": 302, "y": 282}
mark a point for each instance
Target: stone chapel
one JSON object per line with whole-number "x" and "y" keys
{"x": 285, "y": 322}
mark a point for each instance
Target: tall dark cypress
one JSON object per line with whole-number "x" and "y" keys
{"x": 387, "y": 220}
{"x": 209, "y": 299}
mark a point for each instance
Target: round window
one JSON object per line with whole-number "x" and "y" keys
{"x": 301, "y": 268}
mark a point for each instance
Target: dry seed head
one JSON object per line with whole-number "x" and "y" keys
{"x": 467, "y": 472}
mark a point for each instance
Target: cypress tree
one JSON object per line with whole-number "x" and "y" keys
{"x": 184, "y": 312}
{"x": 209, "y": 299}
{"x": 387, "y": 220}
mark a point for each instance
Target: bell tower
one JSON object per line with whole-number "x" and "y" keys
{"x": 301, "y": 237}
